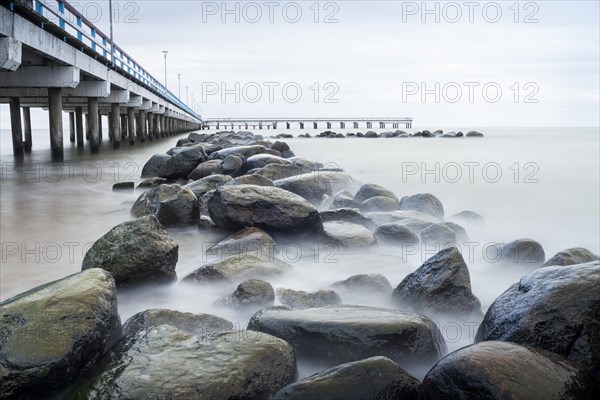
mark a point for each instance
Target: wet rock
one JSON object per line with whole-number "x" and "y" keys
{"x": 232, "y": 165}
{"x": 423, "y": 202}
{"x": 280, "y": 146}
{"x": 123, "y": 186}
{"x": 469, "y": 217}
{"x": 205, "y": 185}
{"x": 371, "y": 134}
{"x": 205, "y": 169}
{"x": 371, "y": 190}
{"x": 576, "y": 255}
{"x": 396, "y": 233}
{"x": 500, "y": 370}
{"x": 238, "y": 268}
{"x": 441, "y": 286}
{"x": 247, "y": 240}
{"x": 389, "y": 134}
{"x": 439, "y": 234}
{"x": 299, "y": 299}
{"x": 262, "y": 160}
{"x": 241, "y": 151}
{"x": 373, "y": 284}
{"x": 474, "y": 134}
{"x": 347, "y": 215}
{"x": 347, "y": 234}
{"x": 553, "y": 308}
{"x": 179, "y": 365}
{"x": 136, "y": 251}
{"x": 378, "y": 203}
{"x": 334, "y": 334}
{"x": 182, "y": 164}
{"x": 417, "y": 221}
{"x": 343, "y": 200}
{"x": 372, "y": 378}
{"x": 201, "y": 325}
{"x": 253, "y": 293}
{"x": 52, "y": 334}
{"x": 198, "y": 137}
{"x": 523, "y": 252}
{"x": 152, "y": 182}
{"x": 281, "y": 171}
{"x": 154, "y": 164}
{"x": 307, "y": 164}
{"x": 171, "y": 204}
{"x": 252, "y": 179}
{"x": 269, "y": 208}
{"x": 310, "y": 186}
{"x": 459, "y": 232}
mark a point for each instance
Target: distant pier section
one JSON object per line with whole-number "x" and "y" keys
{"x": 306, "y": 123}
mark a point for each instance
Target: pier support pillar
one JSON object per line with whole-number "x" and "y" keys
{"x": 152, "y": 134}
{"x": 315, "y": 125}
{"x": 355, "y": 125}
{"x": 27, "y": 129}
{"x": 72, "y": 127}
{"x": 144, "y": 122}
{"x": 93, "y": 133}
{"x": 15, "y": 125}
{"x": 99, "y": 126}
{"x": 124, "y": 126}
{"x": 115, "y": 124}
{"x": 79, "y": 125}
{"x": 131, "y": 125}
{"x": 56, "y": 126}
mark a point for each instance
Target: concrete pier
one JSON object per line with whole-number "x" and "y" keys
{"x": 16, "y": 126}
{"x": 131, "y": 126}
{"x": 94, "y": 134}
{"x": 115, "y": 124}
{"x": 144, "y": 121}
{"x": 100, "y": 125}
{"x": 56, "y": 125}
{"x": 27, "y": 143}
{"x": 72, "y": 127}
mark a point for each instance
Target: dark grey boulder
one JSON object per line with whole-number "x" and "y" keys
{"x": 198, "y": 137}
{"x": 268, "y": 208}
{"x": 54, "y": 333}
{"x": 396, "y": 233}
{"x": 201, "y": 325}
{"x": 441, "y": 286}
{"x": 163, "y": 362}
{"x": 416, "y": 220}
{"x": 523, "y": 252}
{"x": 299, "y": 299}
{"x": 137, "y": 251}
{"x": 123, "y": 186}
{"x": 183, "y": 163}
{"x": 280, "y": 146}
{"x": 459, "y": 231}
{"x": 347, "y": 215}
{"x": 252, "y": 179}
{"x": 154, "y": 164}
{"x": 152, "y": 183}
{"x": 205, "y": 169}
{"x": 334, "y": 334}
{"x": 378, "y": 203}
{"x": 438, "y": 234}
{"x": 368, "y": 379}
{"x": 248, "y": 240}
{"x": 553, "y": 308}
{"x": 372, "y": 284}
{"x": 311, "y": 186}
{"x": 423, "y": 202}
{"x": 347, "y": 234}
{"x": 371, "y": 134}
{"x": 371, "y": 190}
{"x": 575, "y": 255}
{"x": 251, "y": 294}
{"x": 206, "y": 184}
{"x": 501, "y": 370}
{"x": 241, "y": 151}
{"x": 232, "y": 165}
{"x": 171, "y": 204}
{"x": 474, "y": 134}
{"x": 343, "y": 200}
{"x": 261, "y": 160}
{"x": 281, "y": 171}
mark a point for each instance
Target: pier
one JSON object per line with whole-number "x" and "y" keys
{"x": 307, "y": 123}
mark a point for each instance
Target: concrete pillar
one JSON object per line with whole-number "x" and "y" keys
{"x": 27, "y": 129}
{"x": 79, "y": 125}
{"x": 56, "y": 126}
{"x": 156, "y": 127}
{"x": 99, "y": 126}
{"x": 143, "y": 126}
{"x": 72, "y": 127}
{"x": 131, "y": 125}
{"x": 15, "y": 125}
{"x": 93, "y": 124}
{"x": 115, "y": 124}
{"x": 123, "y": 126}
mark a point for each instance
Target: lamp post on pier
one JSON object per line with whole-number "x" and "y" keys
{"x": 165, "y": 52}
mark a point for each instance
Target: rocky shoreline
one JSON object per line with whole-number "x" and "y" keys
{"x": 539, "y": 339}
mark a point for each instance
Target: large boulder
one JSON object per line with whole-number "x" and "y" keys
{"x": 334, "y": 334}
{"x": 154, "y": 164}
{"x": 423, "y": 202}
{"x": 378, "y": 203}
{"x": 171, "y": 204}
{"x": 253, "y": 293}
{"x": 252, "y": 179}
{"x": 261, "y": 160}
{"x": 163, "y": 362}
{"x": 205, "y": 169}
{"x": 439, "y": 234}
{"x": 347, "y": 215}
{"x": 232, "y": 165}
{"x": 468, "y": 217}
{"x": 576, "y": 255}
{"x": 52, "y": 334}
{"x": 523, "y": 252}
{"x": 238, "y": 268}
{"x": 372, "y": 190}
{"x": 269, "y": 208}
{"x": 206, "y": 184}
{"x": 300, "y": 299}
{"x": 416, "y": 220}
{"x": 553, "y": 308}
{"x": 137, "y": 251}
{"x": 369, "y": 284}
{"x": 474, "y": 134}
{"x": 201, "y": 325}
{"x": 243, "y": 152}
{"x": 372, "y": 378}
{"x": 343, "y": 200}
{"x": 441, "y": 286}
{"x": 183, "y": 163}
{"x": 281, "y": 171}
{"x": 501, "y": 370}
{"x": 347, "y": 234}
{"x": 311, "y": 186}
{"x": 396, "y": 233}
{"x": 247, "y": 240}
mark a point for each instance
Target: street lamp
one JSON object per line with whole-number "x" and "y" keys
{"x": 165, "y": 53}
{"x": 112, "y": 47}
{"x": 179, "y": 83}
{"x": 186, "y": 95}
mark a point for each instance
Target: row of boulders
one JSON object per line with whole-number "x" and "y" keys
{"x": 392, "y": 134}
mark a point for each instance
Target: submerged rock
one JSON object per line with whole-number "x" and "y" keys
{"x": 152, "y": 182}
{"x": 469, "y": 217}
{"x": 576, "y": 255}
{"x": 369, "y": 284}
{"x": 299, "y": 299}
{"x": 396, "y": 233}
{"x": 524, "y": 252}
{"x": 52, "y": 334}
{"x": 171, "y": 204}
{"x": 425, "y": 203}
{"x": 347, "y": 234}
{"x": 247, "y": 240}
{"x": 343, "y": 200}
{"x": 154, "y": 164}
{"x": 371, "y": 190}
{"x": 440, "y": 234}
{"x": 310, "y": 186}
{"x": 347, "y": 215}
{"x": 378, "y": 203}
{"x": 123, "y": 186}
{"x": 261, "y": 160}
{"x": 253, "y": 293}
{"x": 201, "y": 325}
{"x": 474, "y": 134}
{"x": 137, "y": 251}
{"x": 372, "y": 378}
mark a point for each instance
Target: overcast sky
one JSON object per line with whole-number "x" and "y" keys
{"x": 372, "y": 58}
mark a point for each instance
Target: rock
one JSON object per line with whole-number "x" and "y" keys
{"x": 164, "y": 362}
{"x": 280, "y": 146}
{"x": 389, "y": 134}
{"x": 311, "y": 186}
{"x": 238, "y": 268}
{"x": 136, "y": 251}
{"x": 232, "y": 165}
{"x": 371, "y": 134}
{"x": 396, "y": 233}
{"x": 299, "y": 299}
{"x": 334, "y": 334}
{"x": 441, "y": 286}
{"x": 52, "y": 334}
{"x": 252, "y": 179}
{"x": 182, "y": 164}
{"x": 152, "y": 182}
{"x": 576, "y": 255}
{"x": 204, "y": 222}
{"x": 474, "y": 134}
{"x": 469, "y": 217}
{"x": 123, "y": 186}
{"x": 414, "y": 219}
{"x": 371, "y": 190}
{"x": 201, "y": 325}
{"x": 343, "y": 200}
{"x": 439, "y": 234}
{"x": 281, "y": 171}
{"x": 269, "y": 208}
{"x": 241, "y": 151}
{"x": 553, "y": 308}
{"x": 347, "y": 234}
{"x": 499, "y": 370}
{"x": 205, "y": 185}
{"x": 198, "y": 137}
{"x": 171, "y": 204}
{"x": 252, "y": 293}
{"x": 459, "y": 232}
{"x": 378, "y": 203}
{"x": 247, "y": 240}
{"x": 262, "y": 160}
{"x": 154, "y": 164}
{"x": 307, "y": 164}
{"x": 373, "y": 284}
{"x": 205, "y": 169}
{"x": 423, "y": 202}
{"x": 347, "y": 215}
{"x": 372, "y": 378}
{"x": 524, "y": 252}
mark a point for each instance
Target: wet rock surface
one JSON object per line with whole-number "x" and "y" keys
{"x": 425, "y": 203}
{"x": 526, "y": 253}
{"x": 171, "y": 204}
{"x": 366, "y": 284}
{"x": 348, "y": 235}
{"x": 253, "y": 293}
{"x": 299, "y": 299}
{"x": 248, "y": 240}
{"x": 396, "y": 233}
{"x": 576, "y": 255}
{"x": 372, "y": 190}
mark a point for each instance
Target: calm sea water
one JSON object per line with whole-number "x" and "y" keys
{"x": 541, "y": 183}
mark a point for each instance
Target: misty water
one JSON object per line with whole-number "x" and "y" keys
{"x": 539, "y": 183}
